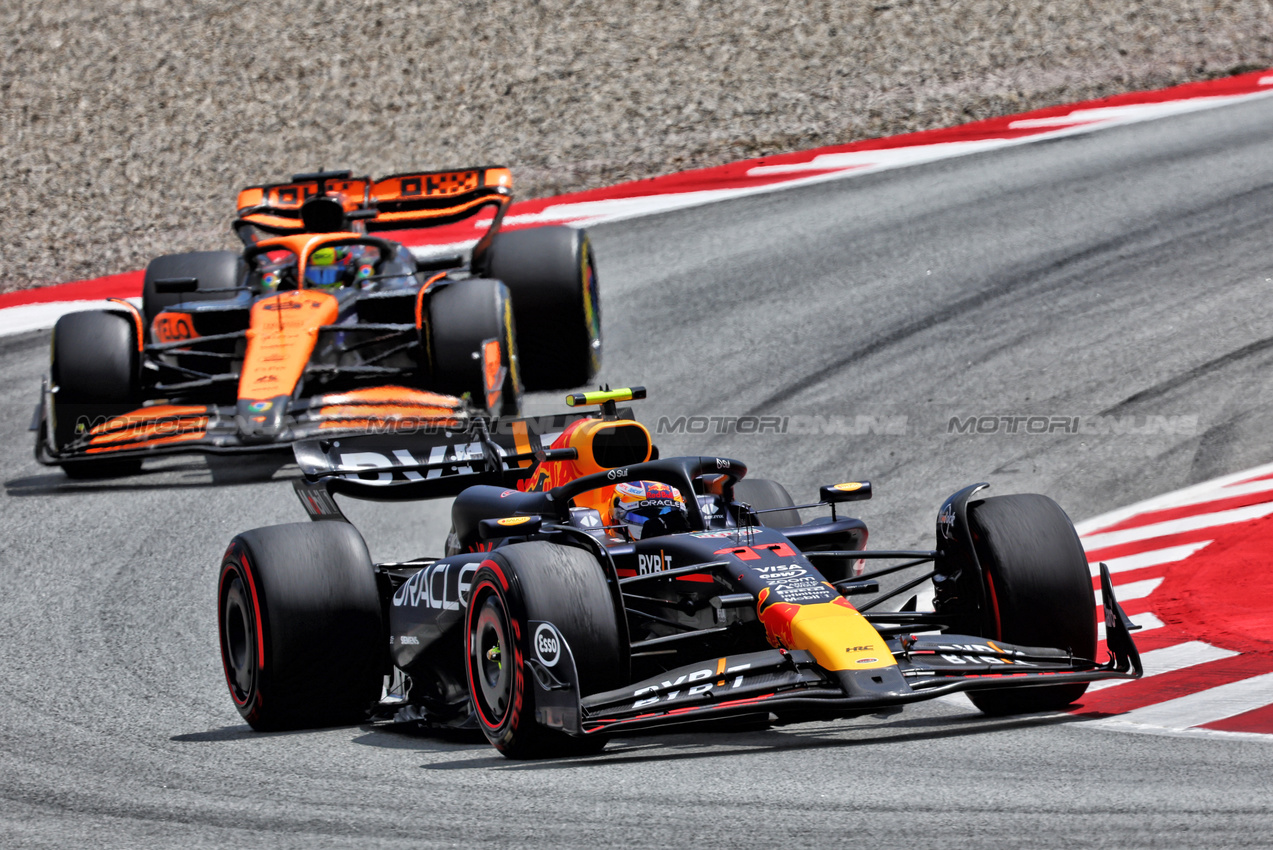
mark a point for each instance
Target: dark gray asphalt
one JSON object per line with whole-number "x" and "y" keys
{"x": 1124, "y": 274}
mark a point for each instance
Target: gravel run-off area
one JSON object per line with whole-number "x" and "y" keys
{"x": 126, "y": 127}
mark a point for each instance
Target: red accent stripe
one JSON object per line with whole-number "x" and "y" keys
{"x": 1189, "y": 511}
{"x": 1178, "y": 683}
{"x": 256, "y": 607}
{"x": 994, "y": 606}
{"x": 503, "y": 580}
{"x": 126, "y": 285}
{"x": 1129, "y": 576}
{"x": 1109, "y": 553}
{"x": 1258, "y": 720}
{"x": 225, "y": 668}
{"x": 733, "y": 175}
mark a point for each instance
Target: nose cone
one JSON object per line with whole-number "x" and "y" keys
{"x": 262, "y": 421}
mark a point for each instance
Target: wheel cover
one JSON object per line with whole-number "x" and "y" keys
{"x": 491, "y": 661}
{"x": 238, "y": 650}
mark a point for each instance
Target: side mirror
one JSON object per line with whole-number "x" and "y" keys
{"x": 509, "y": 526}
{"x": 172, "y": 285}
{"x": 852, "y": 491}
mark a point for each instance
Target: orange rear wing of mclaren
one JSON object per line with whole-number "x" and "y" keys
{"x": 397, "y": 202}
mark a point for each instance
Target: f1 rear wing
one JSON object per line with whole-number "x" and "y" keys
{"x": 427, "y": 464}
{"x": 397, "y": 202}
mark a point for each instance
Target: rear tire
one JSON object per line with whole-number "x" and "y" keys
{"x": 463, "y": 318}
{"x": 552, "y": 278}
{"x": 96, "y": 372}
{"x": 537, "y": 581}
{"x": 299, "y": 615}
{"x": 763, "y": 495}
{"x": 213, "y": 269}
{"x": 1038, "y": 592}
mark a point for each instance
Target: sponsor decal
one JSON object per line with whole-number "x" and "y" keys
{"x": 702, "y": 535}
{"x": 616, "y": 474}
{"x": 320, "y": 503}
{"x": 647, "y": 564}
{"x": 781, "y": 573}
{"x": 408, "y": 640}
{"x": 849, "y": 487}
{"x": 275, "y": 306}
{"x": 722, "y": 463}
{"x": 260, "y": 406}
{"x": 441, "y": 586}
{"x": 992, "y": 656}
{"x": 173, "y": 328}
{"x": 698, "y": 682}
{"x": 461, "y": 454}
{"x": 513, "y": 520}
{"x": 547, "y": 645}
{"x": 867, "y": 660}
{"x": 267, "y": 379}
{"x": 506, "y": 494}
{"x": 946, "y": 521}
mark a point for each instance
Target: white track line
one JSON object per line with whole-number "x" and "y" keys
{"x": 1146, "y": 620}
{"x": 1131, "y": 590}
{"x": 1107, "y": 539}
{"x": 1170, "y": 659}
{"x": 1201, "y": 708}
{"x": 1153, "y": 558}
{"x": 34, "y": 317}
{"x": 1169, "y": 500}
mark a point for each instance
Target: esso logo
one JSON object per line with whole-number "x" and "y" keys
{"x": 547, "y": 645}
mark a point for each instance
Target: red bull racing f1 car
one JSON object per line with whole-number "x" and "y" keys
{"x": 321, "y": 327}
{"x": 590, "y": 588}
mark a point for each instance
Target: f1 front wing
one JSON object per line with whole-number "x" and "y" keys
{"x": 792, "y": 686}
{"x": 161, "y": 429}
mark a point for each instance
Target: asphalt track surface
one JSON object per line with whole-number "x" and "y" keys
{"x": 1120, "y": 274}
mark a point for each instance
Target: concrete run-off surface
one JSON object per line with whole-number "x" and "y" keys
{"x": 125, "y": 130}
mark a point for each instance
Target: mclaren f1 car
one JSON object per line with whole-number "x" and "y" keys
{"x": 552, "y": 625}
{"x": 321, "y": 326}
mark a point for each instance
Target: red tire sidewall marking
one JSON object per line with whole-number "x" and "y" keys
{"x": 228, "y": 569}
{"x": 502, "y": 729}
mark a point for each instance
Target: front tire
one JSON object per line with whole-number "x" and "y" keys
{"x": 97, "y": 375}
{"x": 1038, "y": 592}
{"x": 465, "y": 318}
{"x": 552, "y": 277}
{"x": 302, "y": 639}
{"x": 766, "y": 495}
{"x": 537, "y": 581}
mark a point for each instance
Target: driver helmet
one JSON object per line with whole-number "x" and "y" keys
{"x": 330, "y": 267}
{"x": 649, "y": 508}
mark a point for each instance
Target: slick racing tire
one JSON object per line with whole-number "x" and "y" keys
{"x": 552, "y": 277}
{"x": 214, "y": 270}
{"x": 469, "y": 320}
{"x": 1038, "y": 592}
{"x": 96, "y": 373}
{"x": 299, "y": 616}
{"x": 538, "y": 581}
{"x": 765, "y": 495}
